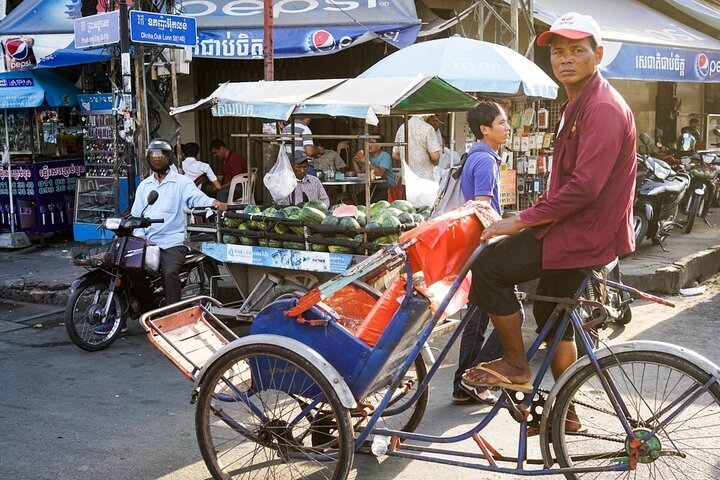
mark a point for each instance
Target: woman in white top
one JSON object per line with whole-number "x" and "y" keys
{"x": 197, "y": 171}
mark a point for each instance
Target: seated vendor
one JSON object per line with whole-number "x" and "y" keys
{"x": 381, "y": 164}
{"x": 308, "y": 187}
{"x": 328, "y": 158}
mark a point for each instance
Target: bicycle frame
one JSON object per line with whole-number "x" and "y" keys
{"x": 432, "y": 454}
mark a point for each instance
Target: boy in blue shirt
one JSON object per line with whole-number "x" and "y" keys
{"x": 481, "y": 181}
{"x": 381, "y": 167}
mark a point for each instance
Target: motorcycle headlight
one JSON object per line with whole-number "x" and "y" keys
{"x": 112, "y": 223}
{"x": 661, "y": 172}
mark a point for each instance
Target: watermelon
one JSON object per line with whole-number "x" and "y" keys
{"x": 279, "y": 227}
{"x": 317, "y": 204}
{"x": 251, "y": 210}
{"x": 330, "y": 220}
{"x": 319, "y": 247}
{"x": 417, "y": 218}
{"x": 293, "y": 245}
{"x": 346, "y": 211}
{"x": 332, "y": 209}
{"x": 292, "y": 210}
{"x": 340, "y": 249}
{"x": 384, "y": 240}
{"x": 378, "y": 207}
{"x": 299, "y": 229}
{"x": 403, "y": 205}
{"x": 349, "y": 222}
{"x": 405, "y": 218}
{"x": 372, "y": 226}
{"x": 230, "y": 239}
{"x": 311, "y": 215}
{"x": 248, "y": 241}
{"x": 362, "y": 209}
{"x": 390, "y": 222}
{"x": 361, "y": 219}
{"x": 263, "y": 242}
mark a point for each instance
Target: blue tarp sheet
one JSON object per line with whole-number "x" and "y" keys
{"x": 226, "y": 29}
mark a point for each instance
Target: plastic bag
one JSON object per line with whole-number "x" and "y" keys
{"x": 420, "y": 192}
{"x": 280, "y": 180}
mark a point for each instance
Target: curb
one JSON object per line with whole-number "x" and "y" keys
{"x": 35, "y": 292}
{"x": 671, "y": 278}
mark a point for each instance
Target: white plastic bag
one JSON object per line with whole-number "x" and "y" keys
{"x": 420, "y": 192}
{"x": 280, "y": 180}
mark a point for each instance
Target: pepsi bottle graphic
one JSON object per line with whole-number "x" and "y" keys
{"x": 18, "y": 53}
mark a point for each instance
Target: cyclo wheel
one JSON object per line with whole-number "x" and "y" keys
{"x": 294, "y": 398}
{"x": 409, "y": 419}
{"x": 648, "y": 383}
{"x": 84, "y": 316}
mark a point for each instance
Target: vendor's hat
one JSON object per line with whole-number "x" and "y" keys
{"x": 573, "y": 26}
{"x": 299, "y": 157}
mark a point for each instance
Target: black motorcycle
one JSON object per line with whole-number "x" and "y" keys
{"x": 659, "y": 192}
{"x": 703, "y": 188}
{"x": 125, "y": 282}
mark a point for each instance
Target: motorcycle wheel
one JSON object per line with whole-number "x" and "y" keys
{"x": 83, "y": 316}
{"x": 199, "y": 279}
{"x": 692, "y": 212}
{"x": 640, "y": 225}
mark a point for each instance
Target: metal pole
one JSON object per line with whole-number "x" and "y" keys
{"x": 127, "y": 96}
{"x": 268, "y": 41}
{"x": 7, "y": 152}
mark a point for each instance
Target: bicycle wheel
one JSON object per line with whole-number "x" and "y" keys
{"x": 262, "y": 425}
{"x": 409, "y": 419}
{"x": 85, "y": 321}
{"x": 648, "y": 383}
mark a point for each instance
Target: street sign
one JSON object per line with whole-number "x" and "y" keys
{"x": 161, "y": 29}
{"x": 97, "y": 30}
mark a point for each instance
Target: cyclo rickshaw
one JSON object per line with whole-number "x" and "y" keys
{"x": 322, "y": 374}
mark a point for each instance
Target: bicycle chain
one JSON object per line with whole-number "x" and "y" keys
{"x": 539, "y": 402}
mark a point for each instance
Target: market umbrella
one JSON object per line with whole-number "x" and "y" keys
{"x": 32, "y": 89}
{"x": 471, "y": 66}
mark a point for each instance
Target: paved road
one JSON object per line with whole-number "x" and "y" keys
{"x": 124, "y": 413}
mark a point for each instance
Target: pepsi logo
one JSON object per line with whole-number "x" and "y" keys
{"x": 322, "y": 41}
{"x": 17, "y": 49}
{"x": 703, "y": 65}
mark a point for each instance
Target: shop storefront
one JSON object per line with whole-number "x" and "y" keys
{"x": 41, "y": 128}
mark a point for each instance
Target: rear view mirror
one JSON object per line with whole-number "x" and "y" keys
{"x": 152, "y": 197}
{"x": 645, "y": 139}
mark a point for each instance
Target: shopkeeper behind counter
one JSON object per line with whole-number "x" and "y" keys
{"x": 308, "y": 186}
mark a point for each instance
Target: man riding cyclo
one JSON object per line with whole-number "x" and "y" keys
{"x": 584, "y": 220}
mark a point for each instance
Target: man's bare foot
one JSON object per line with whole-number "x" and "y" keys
{"x": 516, "y": 374}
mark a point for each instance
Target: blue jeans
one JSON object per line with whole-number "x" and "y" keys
{"x": 473, "y": 347}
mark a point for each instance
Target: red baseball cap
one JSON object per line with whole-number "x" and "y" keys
{"x": 573, "y": 26}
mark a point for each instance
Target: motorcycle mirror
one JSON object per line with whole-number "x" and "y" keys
{"x": 152, "y": 197}
{"x": 645, "y": 139}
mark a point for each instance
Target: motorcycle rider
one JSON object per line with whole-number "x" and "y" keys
{"x": 175, "y": 193}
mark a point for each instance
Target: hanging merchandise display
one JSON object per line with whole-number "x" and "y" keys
{"x": 104, "y": 190}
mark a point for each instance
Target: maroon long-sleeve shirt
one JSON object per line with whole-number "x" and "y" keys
{"x": 592, "y": 183}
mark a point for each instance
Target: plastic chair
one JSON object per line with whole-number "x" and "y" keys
{"x": 397, "y": 173}
{"x": 343, "y": 149}
{"x": 242, "y": 180}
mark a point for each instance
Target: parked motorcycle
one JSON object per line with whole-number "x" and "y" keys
{"x": 125, "y": 282}
{"x": 703, "y": 188}
{"x": 658, "y": 195}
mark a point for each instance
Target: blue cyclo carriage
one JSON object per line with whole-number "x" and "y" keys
{"x": 306, "y": 390}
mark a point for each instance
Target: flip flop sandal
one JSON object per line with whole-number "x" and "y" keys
{"x": 473, "y": 396}
{"x": 503, "y": 383}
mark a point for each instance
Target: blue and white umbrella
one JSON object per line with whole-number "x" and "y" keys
{"x": 471, "y": 66}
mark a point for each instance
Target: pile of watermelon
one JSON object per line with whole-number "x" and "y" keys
{"x": 339, "y": 229}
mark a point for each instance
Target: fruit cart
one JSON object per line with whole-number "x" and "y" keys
{"x": 272, "y": 252}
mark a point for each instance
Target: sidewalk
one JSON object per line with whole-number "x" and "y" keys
{"x": 43, "y": 273}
